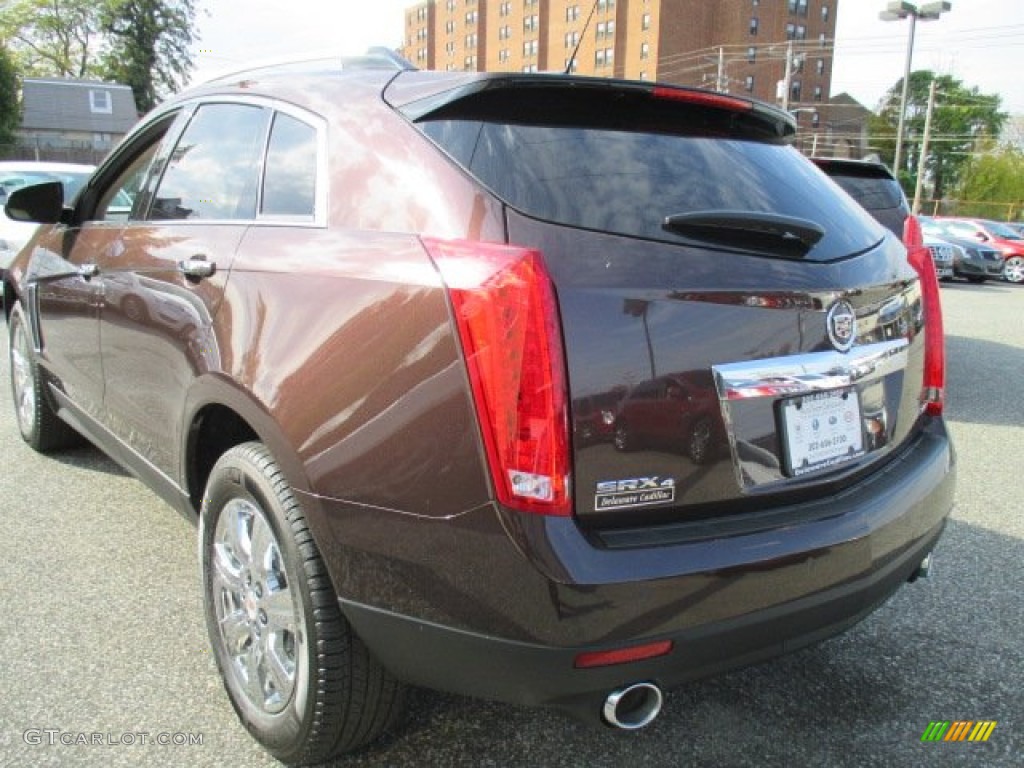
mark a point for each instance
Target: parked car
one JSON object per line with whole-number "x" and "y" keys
{"x": 17, "y": 174}
{"x": 973, "y": 261}
{"x": 872, "y": 185}
{"x": 992, "y": 233}
{"x": 389, "y": 287}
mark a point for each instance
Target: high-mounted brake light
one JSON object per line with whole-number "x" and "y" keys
{"x": 700, "y": 98}
{"x": 920, "y": 258}
{"x": 507, "y": 318}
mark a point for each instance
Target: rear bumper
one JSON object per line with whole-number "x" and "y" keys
{"x": 473, "y": 664}
{"x": 502, "y": 611}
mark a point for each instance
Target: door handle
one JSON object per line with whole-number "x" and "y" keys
{"x": 88, "y": 271}
{"x": 197, "y": 267}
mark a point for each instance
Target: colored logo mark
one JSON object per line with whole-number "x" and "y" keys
{"x": 958, "y": 730}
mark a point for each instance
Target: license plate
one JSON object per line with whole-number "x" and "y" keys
{"x": 821, "y": 430}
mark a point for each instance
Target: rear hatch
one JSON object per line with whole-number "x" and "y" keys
{"x": 738, "y": 334}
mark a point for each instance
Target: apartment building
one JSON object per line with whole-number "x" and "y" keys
{"x": 737, "y": 46}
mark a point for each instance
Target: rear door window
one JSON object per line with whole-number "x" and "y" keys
{"x": 289, "y": 184}
{"x": 213, "y": 172}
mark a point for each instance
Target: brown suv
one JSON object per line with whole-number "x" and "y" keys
{"x": 347, "y": 322}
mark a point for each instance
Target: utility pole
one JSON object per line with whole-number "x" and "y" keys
{"x": 788, "y": 77}
{"x": 720, "y": 82}
{"x": 916, "y": 209}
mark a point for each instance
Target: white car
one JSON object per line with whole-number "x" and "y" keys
{"x": 21, "y": 173}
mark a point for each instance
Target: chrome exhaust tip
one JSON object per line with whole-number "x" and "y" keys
{"x": 633, "y": 707}
{"x": 922, "y": 570}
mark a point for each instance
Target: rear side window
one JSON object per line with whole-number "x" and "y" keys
{"x": 604, "y": 169}
{"x": 289, "y": 184}
{"x": 213, "y": 172}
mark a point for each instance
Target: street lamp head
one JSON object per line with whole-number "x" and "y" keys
{"x": 932, "y": 11}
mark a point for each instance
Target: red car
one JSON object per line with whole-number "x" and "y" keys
{"x": 1008, "y": 240}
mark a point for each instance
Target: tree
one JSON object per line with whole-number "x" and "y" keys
{"x": 993, "y": 184}
{"x": 961, "y": 118}
{"x": 149, "y": 42}
{"x": 9, "y": 112}
{"x": 57, "y": 38}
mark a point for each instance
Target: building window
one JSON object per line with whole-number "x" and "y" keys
{"x": 450, "y": 5}
{"x": 531, "y": 23}
{"x": 821, "y": 40}
{"x": 449, "y": 27}
{"x": 99, "y": 102}
{"x": 530, "y": 48}
{"x": 645, "y": 50}
{"x": 790, "y": 31}
{"x": 646, "y": 21}
{"x": 471, "y": 40}
{"x": 470, "y": 18}
{"x": 572, "y": 39}
{"x": 749, "y": 83}
{"x": 530, "y": 3}
{"x": 824, "y": 13}
{"x": 643, "y": 75}
{"x": 753, "y": 25}
{"x": 817, "y": 93}
{"x": 503, "y": 55}
{"x": 504, "y": 33}
{"x": 470, "y": 63}
{"x": 572, "y": 13}
{"x": 450, "y": 48}
{"x": 820, "y": 66}
{"x": 751, "y": 54}
{"x": 801, "y": 32}
{"x": 815, "y": 119}
{"x": 798, "y": 7}
{"x": 794, "y": 91}
{"x": 505, "y": 9}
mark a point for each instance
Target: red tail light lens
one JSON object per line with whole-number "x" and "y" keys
{"x": 507, "y": 318}
{"x": 702, "y": 99}
{"x": 933, "y": 391}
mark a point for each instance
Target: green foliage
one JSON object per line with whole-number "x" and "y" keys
{"x": 149, "y": 43}
{"x": 53, "y": 38}
{"x": 993, "y": 180}
{"x": 962, "y": 117}
{"x": 10, "y": 116}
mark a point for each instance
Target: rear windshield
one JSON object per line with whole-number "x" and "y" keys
{"x": 875, "y": 194}
{"x": 608, "y": 175}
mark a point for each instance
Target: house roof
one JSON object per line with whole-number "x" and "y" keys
{"x": 50, "y": 104}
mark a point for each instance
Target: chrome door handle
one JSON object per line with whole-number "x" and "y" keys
{"x": 88, "y": 271}
{"x": 197, "y": 268}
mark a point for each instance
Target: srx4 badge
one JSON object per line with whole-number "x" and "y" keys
{"x": 634, "y": 492}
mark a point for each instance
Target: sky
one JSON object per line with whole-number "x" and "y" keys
{"x": 981, "y": 42}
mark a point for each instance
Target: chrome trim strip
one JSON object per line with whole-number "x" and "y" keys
{"x": 813, "y": 372}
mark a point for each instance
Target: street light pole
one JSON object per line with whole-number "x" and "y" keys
{"x": 916, "y": 209}
{"x": 900, "y": 9}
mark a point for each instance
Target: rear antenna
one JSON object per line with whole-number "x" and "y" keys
{"x": 572, "y": 59}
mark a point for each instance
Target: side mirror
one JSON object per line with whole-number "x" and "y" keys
{"x": 37, "y": 203}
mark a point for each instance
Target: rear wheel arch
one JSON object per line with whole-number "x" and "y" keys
{"x": 221, "y": 416}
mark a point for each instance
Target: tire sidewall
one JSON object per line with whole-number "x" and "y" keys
{"x": 236, "y": 476}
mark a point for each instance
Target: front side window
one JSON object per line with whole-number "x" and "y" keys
{"x": 213, "y": 172}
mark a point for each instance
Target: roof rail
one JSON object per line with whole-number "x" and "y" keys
{"x": 376, "y": 57}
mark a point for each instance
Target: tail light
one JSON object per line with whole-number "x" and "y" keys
{"x": 507, "y": 319}
{"x": 920, "y": 258}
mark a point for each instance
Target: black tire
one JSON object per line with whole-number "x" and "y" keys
{"x": 38, "y": 422}
{"x": 340, "y": 697}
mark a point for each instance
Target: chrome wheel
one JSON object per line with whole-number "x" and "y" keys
{"x": 1013, "y": 269}
{"x": 23, "y": 378}
{"x": 258, "y": 615}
